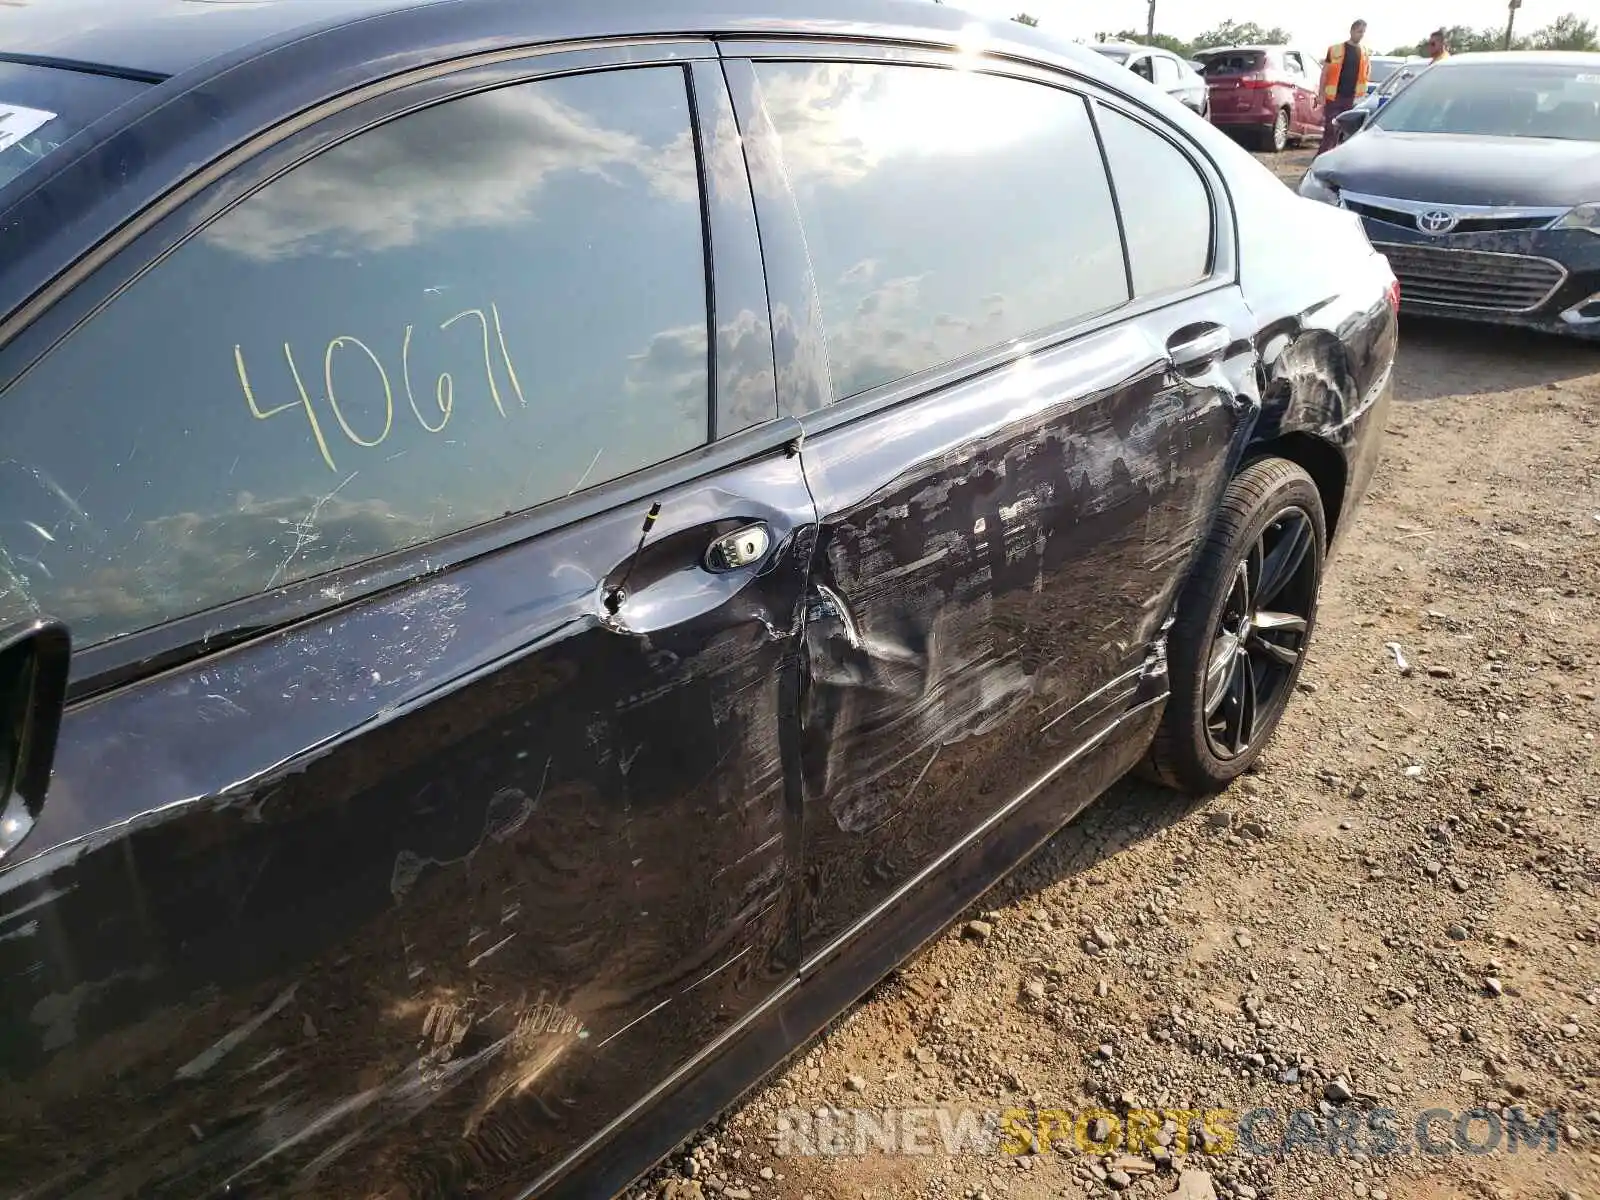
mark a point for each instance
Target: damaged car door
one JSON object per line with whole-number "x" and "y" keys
{"x": 435, "y": 595}
{"x": 1012, "y": 437}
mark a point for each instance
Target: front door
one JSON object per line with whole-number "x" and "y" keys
{"x": 481, "y": 830}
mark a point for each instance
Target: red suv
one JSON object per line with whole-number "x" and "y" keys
{"x": 1270, "y": 94}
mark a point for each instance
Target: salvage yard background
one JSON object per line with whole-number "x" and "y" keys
{"x": 1400, "y": 901}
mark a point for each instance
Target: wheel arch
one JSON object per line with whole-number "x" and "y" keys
{"x": 1320, "y": 459}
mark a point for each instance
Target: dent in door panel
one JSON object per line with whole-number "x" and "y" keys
{"x": 990, "y": 560}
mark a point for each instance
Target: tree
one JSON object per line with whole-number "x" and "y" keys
{"x": 1569, "y": 32}
{"x": 1460, "y": 38}
{"x": 1025, "y": 19}
{"x": 1163, "y": 40}
{"x": 1463, "y": 39}
{"x": 1241, "y": 33}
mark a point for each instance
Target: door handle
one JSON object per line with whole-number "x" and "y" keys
{"x": 1197, "y": 351}
{"x": 741, "y": 548}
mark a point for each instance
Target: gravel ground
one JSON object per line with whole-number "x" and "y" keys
{"x": 1395, "y": 910}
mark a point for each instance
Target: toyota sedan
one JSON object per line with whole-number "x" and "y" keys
{"x": 545, "y": 547}
{"x": 1480, "y": 182}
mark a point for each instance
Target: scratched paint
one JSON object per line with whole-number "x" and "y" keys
{"x": 509, "y": 792}
{"x": 1021, "y": 556}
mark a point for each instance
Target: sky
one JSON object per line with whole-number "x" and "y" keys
{"x": 1390, "y": 23}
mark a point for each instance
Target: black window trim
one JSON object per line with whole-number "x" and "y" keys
{"x": 84, "y": 290}
{"x": 1214, "y": 251}
{"x": 1225, "y": 256}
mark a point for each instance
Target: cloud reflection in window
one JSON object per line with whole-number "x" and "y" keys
{"x": 944, "y": 211}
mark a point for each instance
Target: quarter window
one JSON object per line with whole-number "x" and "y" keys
{"x": 470, "y": 310}
{"x": 1166, "y": 206}
{"x": 944, "y": 211}
{"x": 1166, "y": 70}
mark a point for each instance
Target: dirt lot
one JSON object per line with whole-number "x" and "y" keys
{"x": 1396, "y": 910}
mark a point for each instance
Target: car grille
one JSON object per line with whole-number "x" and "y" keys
{"x": 1468, "y": 224}
{"x": 1475, "y": 280}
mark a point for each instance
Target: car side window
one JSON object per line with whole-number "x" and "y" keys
{"x": 1142, "y": 68}
{"x": 466, "y": 311}
{"x": 1166, "y": 70}
{"x": 1165, "y": 203}
{"x": 1292, "y": 61}
{"x": 944, "y": 211}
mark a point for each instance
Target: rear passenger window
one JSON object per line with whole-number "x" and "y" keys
{"x": 944, "y": 211}
{"x": 470, "y": 310}
{"x": 1166, "y": 70}
{"x": 1166, "y": 206}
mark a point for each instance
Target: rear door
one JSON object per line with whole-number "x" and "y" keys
{"x": 435, "y": 561}
{"x": 1008, "y": 468}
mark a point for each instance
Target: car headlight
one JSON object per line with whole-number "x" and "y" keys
{"x": 1314, "y": 187}
{"x": 1585, "y": 216}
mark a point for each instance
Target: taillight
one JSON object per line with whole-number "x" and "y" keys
{"x": 1255, "y": 82}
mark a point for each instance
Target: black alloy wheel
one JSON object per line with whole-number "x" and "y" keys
{"x": 1260, "y": 637}
{"x": 1243, "y": 624}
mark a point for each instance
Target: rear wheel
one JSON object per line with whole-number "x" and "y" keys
{"x": 1276, "y": 138}
{"x": 1245, "y": 618}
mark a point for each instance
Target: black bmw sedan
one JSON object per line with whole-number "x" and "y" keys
{"x": 544, "y": 547}
{"x": 1481, "y": 184}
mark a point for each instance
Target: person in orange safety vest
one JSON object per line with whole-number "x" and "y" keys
{"x": 1344, "y": 81}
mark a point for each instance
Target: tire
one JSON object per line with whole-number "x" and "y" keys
{"x": 1277, "y": 136}
{"x": 1271, "y": 514}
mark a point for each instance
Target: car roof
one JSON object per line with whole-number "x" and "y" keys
{"x": 161, "y": 37}
{"x": 1548, "y": 58}
{"x": 154, "y": 39}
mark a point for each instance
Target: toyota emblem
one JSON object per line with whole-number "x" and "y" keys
{"x": 1437, "y": 221}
